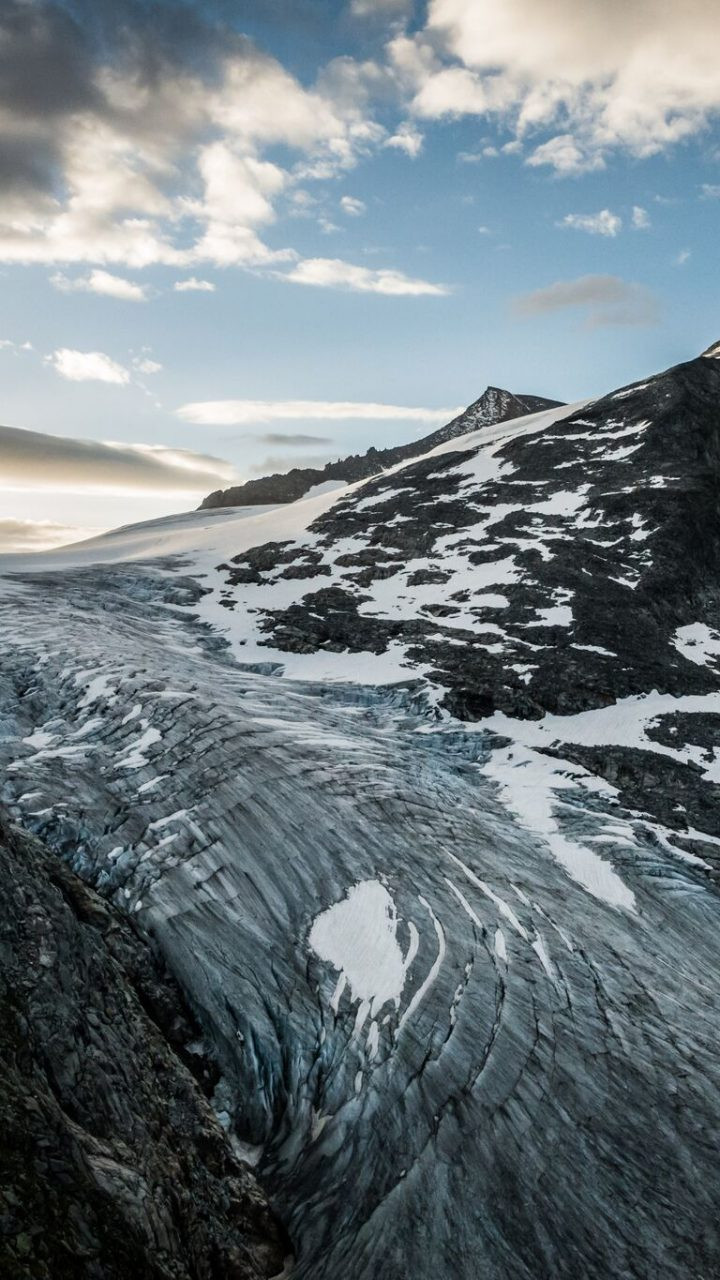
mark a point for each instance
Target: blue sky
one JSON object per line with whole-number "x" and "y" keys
{"x": 371, "y": 202}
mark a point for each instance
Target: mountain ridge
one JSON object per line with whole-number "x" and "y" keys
{"x": 494, "y": 405}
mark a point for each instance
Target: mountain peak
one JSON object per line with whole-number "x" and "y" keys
{"x": 713, "y": 351}
{"x": 493, "y": 406}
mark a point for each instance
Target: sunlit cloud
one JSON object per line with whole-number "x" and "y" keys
{"x": 641, "y": 79}
{"x": 88, "y": 366}
{"x": 603, "y": 223}
{"x": 352, "y": 206}
{"x": 31, "y": 460}
{"x": 237, "y": 412}
{"x": 161, "y": 161}
{"x": 193, "y": 285}
{"x": 334, "y": 273}
{"x": 143, "y": 364}
{"x": 102, "y": 282}
{"x": 408, "y": 138}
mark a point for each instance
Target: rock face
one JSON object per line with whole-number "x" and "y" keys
{"x": 113, "y": 1164}
{"x": 494, "y": 405}
{"x": 415, "y": 790}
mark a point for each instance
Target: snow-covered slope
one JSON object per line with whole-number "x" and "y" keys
{"x": 415, "y": 784}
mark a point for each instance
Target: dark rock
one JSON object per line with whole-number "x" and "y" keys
{"x": 113, "y": 1165}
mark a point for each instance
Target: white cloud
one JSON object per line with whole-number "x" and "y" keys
{"x": 451, "y": 91}
{"x": 227, "y": 413}
{"x": 564, "y": 154}
{"x": 193, "y": 285}
{"x": 710, "y": 191}
{"x": 641, "y": 75}
{"x": 406, "y": 138}
{"x": 102, "y": 282}
{"x": 334, "y": 273}
{"x": 603, "y": 223}
{"x": 640, "y": 218}
{"x": 350, "y": 205}
{"x": 169, "y": 168}
{"x": 605, "y": 300}
{"x": 684, "y": 256}
{"x": 88, "y": 366}
{"x": 144, "y": 364}
{"x": 7, "y": 344}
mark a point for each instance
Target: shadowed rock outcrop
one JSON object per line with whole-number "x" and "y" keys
{"x": 113, "y": 1165}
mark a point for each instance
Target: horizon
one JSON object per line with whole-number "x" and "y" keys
{"x": 240, "y": 239}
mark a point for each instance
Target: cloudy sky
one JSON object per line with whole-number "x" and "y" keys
{"x": 242, "y": 235}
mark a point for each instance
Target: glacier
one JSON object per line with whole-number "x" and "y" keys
{"x": 456, "y": 964}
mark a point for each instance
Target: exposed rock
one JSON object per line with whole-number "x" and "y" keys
{"x": 113, "y": 1164}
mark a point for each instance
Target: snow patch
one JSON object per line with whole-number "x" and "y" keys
{"x": 358, "y": 937}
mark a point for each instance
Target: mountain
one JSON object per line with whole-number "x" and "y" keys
{"x": 413, "y": 787}
{"x": 494, "y": 405}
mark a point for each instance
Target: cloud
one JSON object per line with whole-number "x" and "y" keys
{"x": 640, "y": 218}
{"x": 31, "y": 460}
{"x": 193, "y": 285}
{"x": 298, "y": 441}
{"x": 639, "y": 76}
{"x": 606, "y": 300}
{"x": 138, "y": 138}
{"x": 710, "y": 191}
{"x": 603, "y": 223}
{"x": 684, "y": 256}
{"x": 380, "y": 8}
{"x": 406, "y": 138}
{"x": 224, "y": 413}
{"x": 39, "y": 535}
{"x": 145, "y": 365}
{"x": 102, "y": 282}
{"x": 333, "y": 273}
{"x": 355, "y": 208}
{"x": 7, "y": 344}
{"x": 88, "y": 366}
{"x": 565, "y": 155}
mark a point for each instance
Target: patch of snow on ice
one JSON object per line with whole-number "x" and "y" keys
{"x": 528, "y": 781}
{"x": 358, "y": 937}
{"x": 136, "y": 758}
{"x": 434, "y": 970}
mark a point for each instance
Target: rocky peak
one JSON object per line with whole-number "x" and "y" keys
{"x": 494, "y": 405}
